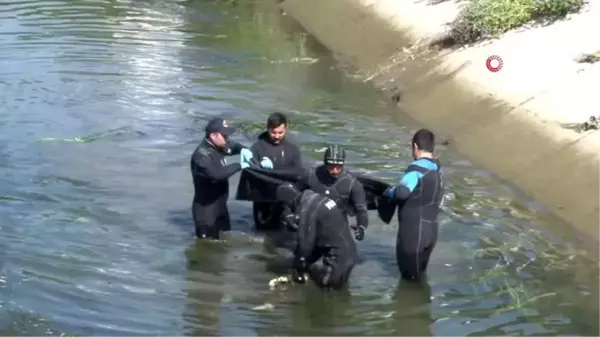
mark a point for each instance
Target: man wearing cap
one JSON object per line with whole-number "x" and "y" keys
{"x": 210, "y": 172}
{"x": 332, "y": 180}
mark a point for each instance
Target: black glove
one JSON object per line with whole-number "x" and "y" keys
{"x": 299, "y": 263}
{"x": 359, "y": 233}
{"x": 298, "y": 276}
{"x": 298, "y": 269}
{"x": 291, "y": 222}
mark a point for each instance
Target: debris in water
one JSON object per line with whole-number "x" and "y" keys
{"x": 301, "y": 60}
{"x": 266, "y": 306}
{"x": 278, "y": 280}
{"x": 283, "y": 280}
{"x": 74, "y": 139}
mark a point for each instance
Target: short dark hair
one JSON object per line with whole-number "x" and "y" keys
{"x": 276, "y": 119}
{"x": 425, "y": 140}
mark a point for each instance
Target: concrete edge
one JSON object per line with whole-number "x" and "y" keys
{"x": 557, "y": 167}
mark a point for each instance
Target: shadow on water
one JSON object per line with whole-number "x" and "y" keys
{"x": 205, "y": 262}
{"x": 103, "y": 104}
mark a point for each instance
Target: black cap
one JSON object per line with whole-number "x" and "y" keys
{"x": 219, "y": 125}
{"x": 287, "y": 194}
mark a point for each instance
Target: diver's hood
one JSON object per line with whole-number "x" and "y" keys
{"x": 288, "y": 194}
{"x": 291, "y": 196}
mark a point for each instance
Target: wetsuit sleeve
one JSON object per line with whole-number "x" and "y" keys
{"x": 307, "y": 237}
{"x": 359, "y": 202}
{"x": 297, "y": 157}
{"x": 206, "y": 167}
{"x": 235, "y": 148}
{"x": 256, "y": 150}
{"x": 303, "y": 179}
{"x": 407, "y": 185}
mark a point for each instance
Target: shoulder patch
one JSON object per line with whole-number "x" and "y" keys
{"x": 330, "y": 204}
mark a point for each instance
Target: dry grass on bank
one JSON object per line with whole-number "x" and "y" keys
{"x": 589, "y": 58}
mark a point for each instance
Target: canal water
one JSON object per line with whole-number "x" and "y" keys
{"x": 102, "y": 104}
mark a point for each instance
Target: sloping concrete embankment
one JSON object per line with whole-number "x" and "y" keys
{"x": 507, "y": 121}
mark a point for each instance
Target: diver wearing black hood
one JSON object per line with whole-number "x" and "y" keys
{"x": 322, "y": 232}
{"x": 274, "y": 151}
{"x": 340, "y": 185}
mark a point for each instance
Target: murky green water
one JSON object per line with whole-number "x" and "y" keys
{"x": 102, "y": 104}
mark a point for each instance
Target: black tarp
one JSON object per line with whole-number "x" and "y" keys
{"x": 257, "y": 184}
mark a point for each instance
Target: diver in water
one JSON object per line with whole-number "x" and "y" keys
{"x": 332, "y": 180}
{"x": 211, "y": 173}
{"x": 420, "y": 193}
{"x": 273, "y": 150}
{"x": 322, "y": 233}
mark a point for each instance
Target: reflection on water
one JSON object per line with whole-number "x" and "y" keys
{"x": 103, "y": 103}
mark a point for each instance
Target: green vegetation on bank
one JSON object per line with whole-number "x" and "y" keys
{"x": 482, "y": 19}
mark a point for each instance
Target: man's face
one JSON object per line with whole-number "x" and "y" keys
{"x": 334, "y": 170}
{"x": 218, "y": 139}
{"x": 277, "y": 134}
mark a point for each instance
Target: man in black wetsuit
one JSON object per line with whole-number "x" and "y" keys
{"x": 210, "y": 173}
{"x": 338, "y": 184}
{"x": 322, "y": 233}
{"x": 419, "y": 193}
{"x": 274, "y": 151}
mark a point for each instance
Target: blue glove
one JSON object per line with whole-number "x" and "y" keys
{"x": 245, "y": 156}
{"x": 266, "y": 163}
